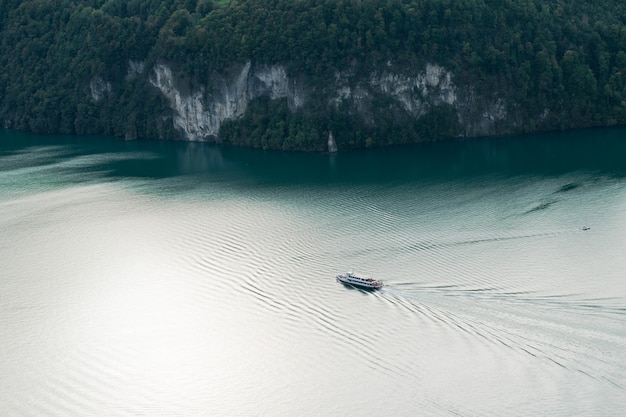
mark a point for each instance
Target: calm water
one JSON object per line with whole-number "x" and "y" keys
{"x": 178, "y": 279}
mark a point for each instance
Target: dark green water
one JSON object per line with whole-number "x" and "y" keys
{"x": 172, "y": 278}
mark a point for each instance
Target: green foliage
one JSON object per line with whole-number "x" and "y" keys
{"x": 561, "y": 63}
{"x": 271, "y": 125}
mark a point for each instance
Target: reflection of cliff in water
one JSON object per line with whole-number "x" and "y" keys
{"x": 597, "y": 150}
{"x": 549, "y": 153}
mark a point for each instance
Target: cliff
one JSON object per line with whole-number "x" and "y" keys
{"x": 198, "y": 114}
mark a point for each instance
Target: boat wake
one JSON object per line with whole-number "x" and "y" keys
{"x": 550, "y": 329}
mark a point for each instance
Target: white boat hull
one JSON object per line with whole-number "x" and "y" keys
{"x": 371, "y": 284}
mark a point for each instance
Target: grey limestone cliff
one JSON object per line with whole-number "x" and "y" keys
{"x": 200, "y": 112}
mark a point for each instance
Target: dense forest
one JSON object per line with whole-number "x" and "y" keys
{"x": 568, "y": 56}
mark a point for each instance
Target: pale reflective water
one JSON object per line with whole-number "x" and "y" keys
{"x": 176, "y": 279}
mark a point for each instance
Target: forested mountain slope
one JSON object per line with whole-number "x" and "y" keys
{"x": 285, "y": 74}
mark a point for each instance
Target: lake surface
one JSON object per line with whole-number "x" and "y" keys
{"x": 187, "y": 279}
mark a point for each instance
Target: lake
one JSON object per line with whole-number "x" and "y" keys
{"x": 189, "y": 279}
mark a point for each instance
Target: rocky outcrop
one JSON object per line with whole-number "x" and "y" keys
{"x": 99, "y": 88}
{"x": 200, "y": 112}
{"x": 418, "y": 94}
{"x": 135, "y": 68}
{"x": 415, "y": 94}
{"x": 332, "y": 145}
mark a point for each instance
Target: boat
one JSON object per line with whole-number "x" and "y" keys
{"x": 359, "y": 280}
{"x": 585, "y": 228}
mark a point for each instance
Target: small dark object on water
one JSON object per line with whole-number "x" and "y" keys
{"x": 585, "y": 228}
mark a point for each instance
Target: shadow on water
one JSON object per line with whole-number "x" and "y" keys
{"x": 567, "y": 187}
{"x": 541, "y": 206}
{"x": 547, "y": 154}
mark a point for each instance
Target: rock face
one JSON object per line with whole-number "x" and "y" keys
{"x": 199, "y": 114}
{"x": 99, "y": 88}
{"x": 415, "y": 94}
{"x": 332, "y": 145}
{"x": 418, "y": 94}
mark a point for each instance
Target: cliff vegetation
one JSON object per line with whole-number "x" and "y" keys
{"x": 361, "y": 69}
